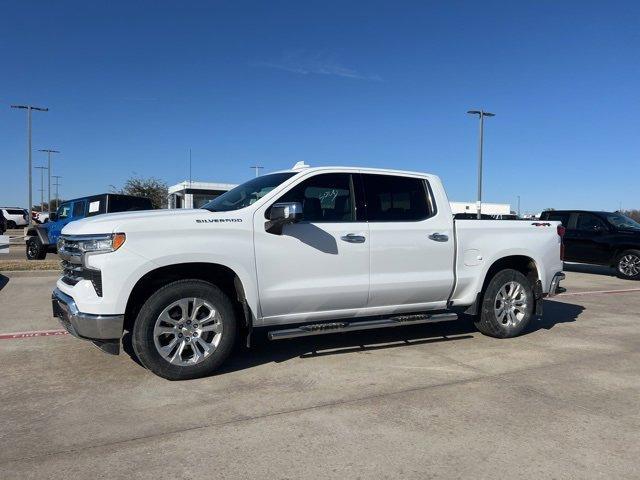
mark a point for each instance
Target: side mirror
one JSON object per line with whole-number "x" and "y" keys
{"x": 53, "y": 217}
{"x": 281, "y": 214}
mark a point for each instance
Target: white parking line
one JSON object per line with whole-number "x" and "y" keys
{"x": 592, "y": 292}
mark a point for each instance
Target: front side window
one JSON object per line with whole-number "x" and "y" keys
{"x": 395, "y": 199}
{"x": 247, "y": 193}
{"x": 64, "y": 211}
{"x": 326, "y": 197}
{"x": 621, "y": 221}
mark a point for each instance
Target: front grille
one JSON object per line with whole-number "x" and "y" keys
{"x": 73, "y": 270}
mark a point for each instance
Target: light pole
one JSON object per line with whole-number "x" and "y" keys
{"x": 257, "y": 168}
{"x": 42, "y": 169}
{"x": 49, "y": 152}
{"x": 481, "y": 114}
{"x": 518, "y": 206}
{"x": 57, "y": 184}
{"x": 29, "y": 108}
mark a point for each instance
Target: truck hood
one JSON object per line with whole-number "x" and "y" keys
{"x": 144, "y": 220}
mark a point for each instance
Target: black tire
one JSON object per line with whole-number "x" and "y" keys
{"x": 144, "y": 344}
{"x": 11, "y": 225}
{"x": 493, "y": 325}
{"x": 35, "y": 249}
{"x": 628, "y": 265}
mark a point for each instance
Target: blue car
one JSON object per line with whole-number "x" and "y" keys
{"x": 42, "y": 239}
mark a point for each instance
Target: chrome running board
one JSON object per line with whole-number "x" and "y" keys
{"x": 350, "y": 326}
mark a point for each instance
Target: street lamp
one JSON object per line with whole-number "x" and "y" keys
{"x": 257, "y": 169}
{"x": 29, "y": 108}
{"x": 481, "y": 114}
{"x": 57, "y": 184}
{"x": 49, "y": 152}
{"x": 42, "y": 169}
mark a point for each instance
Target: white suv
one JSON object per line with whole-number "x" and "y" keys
{"x": 16, "y": 217}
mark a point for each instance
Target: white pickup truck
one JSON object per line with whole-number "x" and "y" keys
{"x": 301, "y": 252}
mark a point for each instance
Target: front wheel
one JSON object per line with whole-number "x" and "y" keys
{"x": 507, "y": 305}
{"x": 185, "y": 330}
{"x": 628, "y": 265}
{"x": 35, "y": 249}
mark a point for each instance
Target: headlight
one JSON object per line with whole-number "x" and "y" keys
{"x": 100, "y": 243}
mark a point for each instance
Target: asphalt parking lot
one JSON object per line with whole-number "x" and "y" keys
{"x": 562, "y": 401}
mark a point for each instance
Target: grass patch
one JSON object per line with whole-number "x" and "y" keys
{"x": 29, "y": 265}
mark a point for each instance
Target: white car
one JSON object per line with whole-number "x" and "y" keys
{"x": 42, "y": 217}
{"x": 301, "y": 252}
{"x": 16, "y": 217}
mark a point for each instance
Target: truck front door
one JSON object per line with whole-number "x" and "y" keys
{"x": 317, "y": 268}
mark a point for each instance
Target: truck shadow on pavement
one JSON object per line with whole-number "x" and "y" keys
{"x": 3, "y": 281}
{"x": 263, "y": 351}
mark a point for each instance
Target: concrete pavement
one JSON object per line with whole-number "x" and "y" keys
{"x": 432, "y": 401}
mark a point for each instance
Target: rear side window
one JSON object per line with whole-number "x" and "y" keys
{"x": 78, "y": 209}
{"x": 557, "y": 217}
{"x": 396, "y": 199}
{"x": 325, "y": 198}
{"x": 589, "y": 223}
{"x": 96, "y": 207}
{"x": 13, "y": 211}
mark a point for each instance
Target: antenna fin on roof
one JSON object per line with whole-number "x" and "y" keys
{"x": 300, "y": 165}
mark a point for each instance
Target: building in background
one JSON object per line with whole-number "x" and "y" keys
{"x": 195, "y": 194}
{"x": 486, "y": 208}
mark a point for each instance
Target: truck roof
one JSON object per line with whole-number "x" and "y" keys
{"x": 386, "y": 171}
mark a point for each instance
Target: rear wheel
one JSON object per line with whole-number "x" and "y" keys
{"x": 628, "y": 265}
{"x": 35, "y": 249}
{"x": 185, "y": 330}
{"x": 11, "y": 224}
{"x": 507, "y": 305}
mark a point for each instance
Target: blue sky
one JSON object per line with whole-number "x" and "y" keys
{"x": 132, "y": 85}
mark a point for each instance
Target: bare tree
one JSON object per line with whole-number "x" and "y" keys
{"x": 152, "y": 188}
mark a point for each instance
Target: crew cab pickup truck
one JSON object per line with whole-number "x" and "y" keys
{"x": 301, "y": 252}
{"x": 43, "y": 239}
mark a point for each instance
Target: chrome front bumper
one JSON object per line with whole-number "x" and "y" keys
{"x": 88, "y": 326}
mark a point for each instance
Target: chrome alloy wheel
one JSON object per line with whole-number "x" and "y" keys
{"x": 629, "y": 265}
{"x": 510, "y": 304}
{"x": 187, "y": 331}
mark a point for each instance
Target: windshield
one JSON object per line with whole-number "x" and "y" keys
{"x": 620, "y": 221}
{"x": 247, "y": 193}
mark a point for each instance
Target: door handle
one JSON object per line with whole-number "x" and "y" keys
{"x": 353, "y": 238}
{"x": 439, "y": 237}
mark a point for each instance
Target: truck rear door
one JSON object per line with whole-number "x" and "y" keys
{"x": 412, "y": 244}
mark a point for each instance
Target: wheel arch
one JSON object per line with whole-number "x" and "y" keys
{"x": 220, "y": 275}
{"x": 521, "y": 263}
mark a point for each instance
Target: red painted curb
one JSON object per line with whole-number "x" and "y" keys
{"x": 33, "y": 334}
